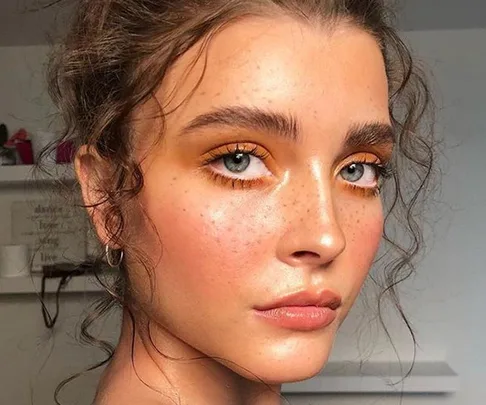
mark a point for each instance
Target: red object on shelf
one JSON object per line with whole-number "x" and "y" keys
{"x": 20, "y": 136}
{"x": 24, "y": 149}
{"x": 65, "y": 152}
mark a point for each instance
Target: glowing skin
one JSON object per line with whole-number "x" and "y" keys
{"x": 290, "y": 221}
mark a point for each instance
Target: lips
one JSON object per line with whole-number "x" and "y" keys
{"x": 323, "y": 298}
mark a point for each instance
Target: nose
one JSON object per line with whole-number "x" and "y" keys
{"x": 313, "y": 236}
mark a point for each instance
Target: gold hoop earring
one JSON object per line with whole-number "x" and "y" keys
{"x": 109, "y": 257}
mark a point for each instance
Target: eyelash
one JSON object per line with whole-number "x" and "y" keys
{"x": 233, "y": 150}
{"x": 383, "y": 170}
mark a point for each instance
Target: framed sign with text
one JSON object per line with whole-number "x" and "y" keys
{"x": 54, "y": 230}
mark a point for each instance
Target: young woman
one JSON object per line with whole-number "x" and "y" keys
{"x": 233, "y": 156}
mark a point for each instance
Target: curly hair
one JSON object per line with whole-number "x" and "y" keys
{"x": 118, "y": 52}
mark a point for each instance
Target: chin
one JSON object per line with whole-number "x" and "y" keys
{"x": 292, "y": 363}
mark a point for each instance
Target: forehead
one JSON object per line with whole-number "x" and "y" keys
{"x": 327, "y": 79}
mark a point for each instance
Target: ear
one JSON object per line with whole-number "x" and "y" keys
{"x": 92, "y": 171}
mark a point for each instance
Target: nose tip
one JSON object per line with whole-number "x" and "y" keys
{"x": 316, "y": 246}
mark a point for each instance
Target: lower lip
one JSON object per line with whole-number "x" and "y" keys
{"x": 300, "y": 318}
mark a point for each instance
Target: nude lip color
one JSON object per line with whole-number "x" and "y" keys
{"x": 305, "y": 310}
{"x": 301, "y": 318}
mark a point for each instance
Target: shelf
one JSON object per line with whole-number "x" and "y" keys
{"x": 351, "y": 378}
{"x": 32, "y": 285}
{"x": 20, "y": 174}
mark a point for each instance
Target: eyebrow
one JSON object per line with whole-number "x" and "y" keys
{"x": 286, "y": 126}
{"x": 369, "y": 134}
{"x": 252, "y": 118}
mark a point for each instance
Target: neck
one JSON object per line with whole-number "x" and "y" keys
{"x": 154, "y": 365}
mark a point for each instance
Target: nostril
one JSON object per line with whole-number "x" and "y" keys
{"x": 304, "y": 253}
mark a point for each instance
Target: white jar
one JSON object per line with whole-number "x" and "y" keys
{"x": 14, "y": 261}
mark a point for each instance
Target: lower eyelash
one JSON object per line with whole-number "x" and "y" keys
{"x": 365, "y": 191}
{"x": 384, "y": 172}
{"x": 232, "y": 182}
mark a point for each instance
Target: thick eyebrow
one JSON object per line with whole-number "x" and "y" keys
{"x": 251, "y": 118}
{"x": 286, "y": 126}
{"x": 369, "y": 134}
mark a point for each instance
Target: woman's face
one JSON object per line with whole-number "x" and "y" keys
{"x": 264, "y": 185}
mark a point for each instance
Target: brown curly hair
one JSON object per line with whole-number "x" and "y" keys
{"x": 117, "y": 54}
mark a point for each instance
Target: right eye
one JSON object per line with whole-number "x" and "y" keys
{"x": 238, "y": 163}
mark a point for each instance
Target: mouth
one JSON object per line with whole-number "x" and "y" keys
{"x": 302, "y": 311}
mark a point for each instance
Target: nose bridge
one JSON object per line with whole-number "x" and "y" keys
{"x": 313, "y": 233}
{"x": 314, "y": 200}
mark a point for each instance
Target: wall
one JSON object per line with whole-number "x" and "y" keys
{"x": 24, "y": 101}
{"x": 445, "y": 301}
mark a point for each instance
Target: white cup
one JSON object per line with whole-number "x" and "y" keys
{"x": 14, "y": 260}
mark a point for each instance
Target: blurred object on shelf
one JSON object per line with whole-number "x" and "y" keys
{"x": 14, "y": 260}
{"x": 24, "y": 150}
{"x": 20, "y": 135}
{"x": 22, "y": 144}
{"x": 7, "y": 154}
{"x": 65, "y": 152}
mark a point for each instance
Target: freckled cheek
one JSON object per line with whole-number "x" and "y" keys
{"x": 210, "y": 248}
{"x": 364, "y": 232}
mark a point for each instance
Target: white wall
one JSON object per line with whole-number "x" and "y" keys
{"x": 24, "y": 101}
{"x": 445, "y": 302}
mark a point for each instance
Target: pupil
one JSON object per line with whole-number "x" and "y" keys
{"x": 237, "y": 162}
{"x": 353, "y": 172}
{"x": 237, "y": 159}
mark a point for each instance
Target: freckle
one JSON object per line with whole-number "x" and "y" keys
{"x": 285, "y": 205}
{"x": 184, "y": 210}
{"x": 308, "y": 210}
{"x": 203, "y": 93}
{"x": 201, "y": 215}
{"x": 174, "y": 178}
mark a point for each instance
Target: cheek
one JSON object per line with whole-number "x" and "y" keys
{"x": 364, "y": 230}
{"x": 211, "y": 247}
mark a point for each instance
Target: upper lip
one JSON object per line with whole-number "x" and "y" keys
{"x": 323, "y": 298}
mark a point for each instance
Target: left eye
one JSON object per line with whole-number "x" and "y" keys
{"x": 361, "y": 174}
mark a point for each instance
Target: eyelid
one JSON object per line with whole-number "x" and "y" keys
{"x": 360, "y": 157}
{"x": 251, "y": 148}
{"x": 382, "y": 152}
